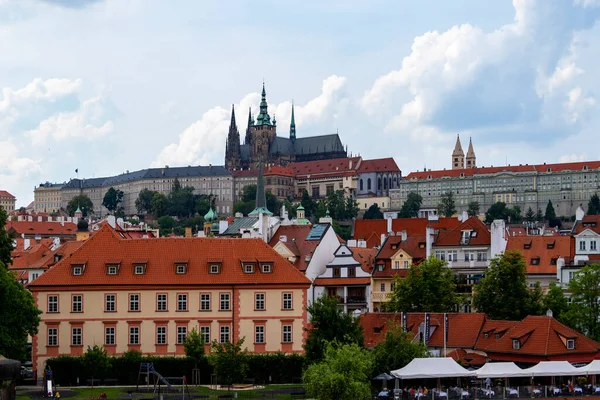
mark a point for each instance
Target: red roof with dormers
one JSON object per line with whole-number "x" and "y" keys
{"x": 414, "y": 245}
{"x": 366, "y": 257}
{"x": 324, "y": 168}
{"x": 42, "y": 228}
{"x": 466, "y": 357}
{"x": 295, "y": 241}
{"x": 591, "y": 222}
{"x": 371, "y": 230}
{"x": 453, "y": 238}
{"x": 4, "y": 193}
{"x": 162, "y": 254}
{"x": 379, "y": 165}
{"x": 26, "y": 259}
{"x": 541, "y": 252}
{"x": 276, "y": 170}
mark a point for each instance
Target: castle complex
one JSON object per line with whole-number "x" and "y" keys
{"x": 261, "y": 143}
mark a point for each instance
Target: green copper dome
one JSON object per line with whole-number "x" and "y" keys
{"x": 210, "y": 215}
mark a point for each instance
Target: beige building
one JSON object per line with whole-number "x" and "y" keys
{"x": 319, "y": 178}
{"x": 48, "y": 197}
{"x": 7, "y": 201}
{"x": 147, "y": 294}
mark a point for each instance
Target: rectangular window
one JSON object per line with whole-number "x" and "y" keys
{"x": 440, "y": 255}
{"x": 53, "y": 303}
{"x": 134, "y": 335}
{"x": 570, "y": 344}
{"x": 259, "y": 301}
{"x": 111, "y": 270}
{"x": 453, "y": 255}
{"x": 259, "y": 334}
{"x": 337, "y": 273}
{"x": 138, "y": 270}
{"x": 287, "y": 301}
{"x": 181, "y": 334}
{"x": 161, "y": 335}
{"x": 52, "y": 336}
{"x": 182, "y": 302}
{"x": 351, "y": 272}
{"x": 77, "y": 270}
{"x": 516, "y": 344}
{"x": 205, "y": 334}
{"x": 224, "y": 337}
{"x": 593, "y": 245}
{"x": 214, "y": 269}
{"x": 76, "y": 339}
{"x": 248, "y": 268}
{"x": 109, "y": 335}
{"x": 396, "y": 264}
{"x": 205, "y": 302}
{"x": 581, "y": 245}
{"x": 110, "y": 303}
{"x": 161, "y": 302}
{"x": 77, "y": 303}
{"x": 392, "y": 286}
{"x": 382, "y": 287}
{"x": 181, "y": 269}
{"x": 481, "y": 256}
{"x": 224, "y": 303}
{"x": 134, "y": 302}
{"x": 287, "y": 334}
{"x": 405, "y": 264}
{"x": 266, "y": 268}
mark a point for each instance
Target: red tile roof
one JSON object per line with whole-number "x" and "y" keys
{"x": 379, "y": 165}
{"x": 4, "y": 193}
{"x": 26, "y": 259}
{"x": 541, "y": 252}
{"x": 467, "y": 357}
{"x": 454, "y": 237}
{"x": 296, "y": 242}
{"x": 371, "y": 230}
{"x": 42, "y": 228}
{"x": 251, "y": 173}
{"x": 414, "y": 245}
{"x": 322, "y": 168}
{"x": 271, "y": 170}
{"x": 342, "y": 281}
{"x": 161, "y": 254}
{"x": 366, "y": 257}
{"x": 591, "y": 222}
{"x": 21, "y": 244}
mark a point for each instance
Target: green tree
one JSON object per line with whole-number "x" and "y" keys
{"x": 112, "y": 199}
{"x": 539, "y": 217}
{"x": 344, "y": 374}
{"x": 159, "y": 205}
{"x": 411, "y": 206}
{"x": 556, "y": 301}
{"x": 273, "y": 204}
{"x": 249, "y": 194}
{"x": 373, "y": 213}
{"x": 290, "y": 207}
{"x": 447, "y": 207}
{"x": 530, "y": 215}
{"x": 473, "y": 209}
{"x": 584, "y": 309}
{"x": 229, "y": 360}
{"x": 503, "y": 293}
{"x": 182, "y": 202}
{"x": 166, "y": 225}
{"x": 6, "y": 240}
{"x": 83, "y": 202}
{"x": 194, "y": 347}
{"x": 308, "y": 204}
{"x": 328, "y": 323}
{"x": 143, "y": 203}
{"x": 397, "y": 350}
{"x": 351, "y": 208}
{"x": 514, "y": 214}
{"x": 321, "y": 209}
{"x": 550, "y": 213}
{"x": 497, "y": 210}
{"x": 96, "y": 362}
{"x": 428, "y": 287}
{"x": 16, "y": 326}
{"x": 243, "y": 207}
{"x": 594, "y": 205}
{"x": 203, "y": 204}
{"x": 344, "y": 230}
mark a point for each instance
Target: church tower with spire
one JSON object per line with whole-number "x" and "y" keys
{"x": 233, "y": 156}
{"x": 470, "y": 160}
{"x": 458, "y": 155}
{"x": 263, "y": 132}
{"x": 293, "y": 126}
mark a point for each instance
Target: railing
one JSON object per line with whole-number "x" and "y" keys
{"x": 379, "y": 296}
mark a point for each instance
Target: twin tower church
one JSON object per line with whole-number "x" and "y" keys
{"x": 261, "y": 143}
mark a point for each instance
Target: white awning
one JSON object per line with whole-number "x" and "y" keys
{"x": 500, "y": 370}
{"x": 553, "y": 368}
{"x": 422, "y": 368}
{"x": 592, "y": 368}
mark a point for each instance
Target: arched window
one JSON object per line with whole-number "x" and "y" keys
{"x": 379, "y": 183}
{"x": 390, "y": 182}
{"x": 361, "y": 185}
{"x": 369, "y": 184}
{"x": 384, "y": 183}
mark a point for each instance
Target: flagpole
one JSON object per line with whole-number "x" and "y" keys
{"x": 445, "y": 316}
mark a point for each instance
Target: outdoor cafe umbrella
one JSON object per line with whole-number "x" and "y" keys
{"x": 384, "y": 377}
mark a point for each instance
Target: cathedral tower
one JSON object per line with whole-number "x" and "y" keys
{"x": 470, "y": 160}
{"x": 262, "y": 133}
{"x": 233, "y": 155}
{"x": 458, "y": 155}
{"x": 293, "y": 126}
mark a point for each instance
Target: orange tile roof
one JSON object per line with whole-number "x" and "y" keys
{"x": 365, "y": 256}
{"x": 413, "y": 245}
{"x": 541, "y": 252}
{"x": 270, "y": 170}
{"x": 42, "y": 228}
{"x": 161, "y": 254}
{"x": 4, "y": 193}
{"x": 591, "y": 222}
{"x": 372, "y": 229}
{"x": 27, "y": 259}
{"x": 342, "y": 281}
{"x": 379, "y": 165}
{"x": 21, "y": 243}
{"x": 296, "y": 242}
{"x": 453, "y": 237}
{"x": 322, "y": 168}
{"x": 467, "y": 358}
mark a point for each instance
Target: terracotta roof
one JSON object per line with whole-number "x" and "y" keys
{"x": 541, "y": 252}
{"x": 42, "y": 228}
{"x": 366, "y": 257}
{"x": 492, "y": 327}
{"x": 414, "y": 245}
{"x": 379, "y": 165}
{"x": 4, "y": 193}
{"x": 296, "y": 242}
{"x": 279, "y": 170}
{"x": 591, "y": 222}
{"x": 21, "y": 244}
{"x": 371, "y": 230}
{"x": 467, "y": 357}
{"x": 322, "y": 168}
{"x": 454, "y": 237}
{"x": 251, "y": 173}
{"x": 342, "y": 281}
{"x": 161, "y": 255}
{"x": 540, "y": 336}
{"x": 26, "y": 259}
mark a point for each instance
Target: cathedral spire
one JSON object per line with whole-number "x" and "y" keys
{"x": 261, "y": 197}
{"x": 458, "y": 155}
{"x": 263, "y": 117}
{"x": 232, "y": 145}
{"x": 250, "y": 123}
{"x": 232, "y": 122}
{"x": 293, "y": 126}
{"x": 470, "y": 159}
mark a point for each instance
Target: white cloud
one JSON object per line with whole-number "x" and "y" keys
{"x": 572, "y": 157}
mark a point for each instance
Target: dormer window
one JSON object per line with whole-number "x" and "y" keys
{"x": 486, "y": 335}
{"x": 139, "y": 269}
{"x": 535, "y": 261}
{"x": 78, "y": 269}
{"x": 380, "y": 267}
{"x": 214, "y": 268}
{"x": 570, "y": 344}
{"x": 249, "y": 268}
{"x": 550, "y": 246}
{"x": 266, "y": 268}
{"x": 181, "y": 269}
{"x": 527, "y": 245}
{"x": 474, "y": 234}
{"x": 516, "y": 344}
{"x": 112, "y": 269}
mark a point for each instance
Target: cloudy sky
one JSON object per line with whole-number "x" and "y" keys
{"x": 109, "y": 86}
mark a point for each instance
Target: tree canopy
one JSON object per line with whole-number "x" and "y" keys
{"x": 530, "y": 215}
{"x": 143, "y": 203}
{"x": 473, "y": 209}
{"x": 447, "y": 207}
{"x": 344, "y": 373}
{"x": 6, "y": 240}
{"x": 503, "y": 293}
{"x": 182, "y": 202}
{"x": 499, "y": 210}
{"x": 194, "y": 347}
{"x": 555, "y": 301}
{"x": 159, "y": 205}
{"x": 550, "y": 212}
{"x": 229, "y": 361}
{"x": 329, "y": 323}
{"x": 411, "y": 206}
{"x": 594, "y": 205}
{"x": 373, "y": 213}
{"x": 584, "y": 308}
{"x": 428, "y": 287}
{"x": 248, "y": 201}
{"x": 112, "y": 199}
{"x": 82, "y": 202}
{"x": 96, "y": 361}
{"x": 396, "y": 350}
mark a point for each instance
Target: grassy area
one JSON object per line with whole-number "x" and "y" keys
{"x": 122, "y": 393}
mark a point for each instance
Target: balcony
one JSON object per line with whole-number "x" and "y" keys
{"x": 379, "y": 297}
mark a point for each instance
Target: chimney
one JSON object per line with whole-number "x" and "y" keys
{"x": 579, "y": 214}
{"x": 283, "y": 238}
{"x": 429, "y": 237}
{"x": 465, "y": 216}
{"x": 188, "y": 231}
{"x": 39, "y": 219}
{"x": 351, "y": 243}
{"x": 560, "y": 264}
{"x": 19, "y": 218}
{"x": 498, "y": 238}
{"x": 112, "y": 221}
{"x": 121, "y": 223}
{"x": 403, "y": 234}
{"x": 389, "y": 224}
{"x": 30, "y": 218}
{"x": 383, "y": 238}
{"x": 362, "y": 244}
{"x": 350, "y": 164}
{"x": 26, "y": 244}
